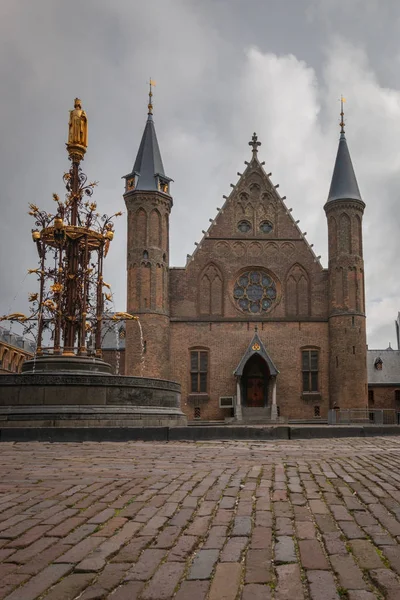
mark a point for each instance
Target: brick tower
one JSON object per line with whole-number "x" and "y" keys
{"x": 149, "y": 203}
{"x": 347, "y": 333}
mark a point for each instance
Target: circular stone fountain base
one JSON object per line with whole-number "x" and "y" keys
{"x": 72, "y": 398}
{"x": 57, "y": 364}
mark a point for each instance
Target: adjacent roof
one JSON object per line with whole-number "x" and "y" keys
{"x": 344, "y": 184}
{"x": 17, "y": 341}
{"x": 148, "y": 164}
{"x": 256, "y": 347}
{"x": 389, "y": 374}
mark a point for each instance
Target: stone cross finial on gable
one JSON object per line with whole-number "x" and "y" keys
{"x": 254, "y": 143}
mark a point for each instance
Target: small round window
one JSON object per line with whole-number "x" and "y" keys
{"x": 265, "y": 227}
{"x": 244, "y": 226}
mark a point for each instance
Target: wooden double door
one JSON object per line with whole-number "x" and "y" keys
{"x": 255, "y": 383}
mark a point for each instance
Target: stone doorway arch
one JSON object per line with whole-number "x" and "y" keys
{"x": 256, "y": 380}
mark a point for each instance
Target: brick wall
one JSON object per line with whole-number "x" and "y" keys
{"x": 227, "y": 343}
{"x": 383, "y": 397}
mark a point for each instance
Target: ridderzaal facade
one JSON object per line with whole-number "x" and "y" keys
{"x": 253, "y": 324}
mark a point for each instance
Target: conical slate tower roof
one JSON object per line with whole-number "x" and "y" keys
{"x": 148, "y": 161}
{"x": 148, "y": 167}
{"x": 344, "y": 184}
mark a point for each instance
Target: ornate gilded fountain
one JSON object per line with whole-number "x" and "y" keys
{"x": 67, "y": 384}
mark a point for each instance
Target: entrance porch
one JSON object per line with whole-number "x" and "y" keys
{"x": 256, "y": 377}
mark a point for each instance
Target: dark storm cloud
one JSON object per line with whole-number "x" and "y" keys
{"x": 224, "y": 68}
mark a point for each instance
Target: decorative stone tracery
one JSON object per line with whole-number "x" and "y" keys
{"x": 211, "y": 291}
{"x": 252, "y": 248}
{"x": 297, "y": 292}
{"x": 254, "y": 292}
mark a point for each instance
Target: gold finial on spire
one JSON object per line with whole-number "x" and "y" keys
{"x": 342, "y": 101}
{"x": 150, "y": 104}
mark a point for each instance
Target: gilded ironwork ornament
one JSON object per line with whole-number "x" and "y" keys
{"x": 68, "y": 312}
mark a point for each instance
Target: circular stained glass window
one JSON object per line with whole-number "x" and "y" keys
{"x": 265, "y": 227}
{"x": 254, "y": 292}
{"x": 244, "y": 226}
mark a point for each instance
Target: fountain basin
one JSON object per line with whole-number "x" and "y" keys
{"x": 56, "y": 364}
{"x": 91, "y": 399}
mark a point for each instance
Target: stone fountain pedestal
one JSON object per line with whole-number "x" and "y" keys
{"x": 71, "y": 391}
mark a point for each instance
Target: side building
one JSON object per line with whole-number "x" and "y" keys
{"x": 14, "y": 351}
{"x": 384, "y": 376}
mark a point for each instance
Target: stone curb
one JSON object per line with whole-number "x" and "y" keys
{"x": 192, "y": 433}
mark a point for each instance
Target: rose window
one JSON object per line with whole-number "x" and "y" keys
{"x": 254, "y": 292}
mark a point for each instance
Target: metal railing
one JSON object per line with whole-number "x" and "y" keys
{"x": 375, "y": 416}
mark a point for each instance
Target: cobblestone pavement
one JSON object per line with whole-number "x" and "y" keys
{"x": 279, "y": 520}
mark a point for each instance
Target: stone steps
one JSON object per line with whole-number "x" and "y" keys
{"x": 250, "y": 413}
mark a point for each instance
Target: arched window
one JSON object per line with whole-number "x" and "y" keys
{"x": 310, "y": 369}
{"x": 199, "y": 370}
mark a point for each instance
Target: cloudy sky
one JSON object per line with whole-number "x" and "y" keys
{"x": 224, "y": 68}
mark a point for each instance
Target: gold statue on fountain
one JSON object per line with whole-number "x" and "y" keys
{"x": 77, "y": 130}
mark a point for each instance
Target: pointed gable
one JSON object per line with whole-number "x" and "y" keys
{"x": 256, "y": 347}
{"x": 255, "y": 233}
{"x": 254, "y": 213}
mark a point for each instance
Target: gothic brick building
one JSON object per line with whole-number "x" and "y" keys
{"x": 253, "y": 318}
